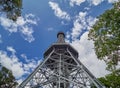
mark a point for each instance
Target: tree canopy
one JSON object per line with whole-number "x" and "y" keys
{"x": 106, "y": 36}
{"x": 12, "y": 8}
{"x": 111, "y": 80}
{"x": 7, "y": 80}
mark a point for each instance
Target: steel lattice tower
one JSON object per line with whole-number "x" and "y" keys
{"x": 61, "y": 69}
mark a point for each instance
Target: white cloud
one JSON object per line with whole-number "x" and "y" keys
{"x": 11, "y": 49}
{"x": 20, "y": 81}
{"x": 1, "y": 38}
{"x": 58, "y": 12}
{"x": 96, "y": 2}
{"x": 81, "y": 23}
{"x": 8, "y": 24}
{"x": 91, "y": 2}
{"x": 76, "y": 2}
{"x": 87, "y": 56}
{"x": 90, "y": 22}
{"x": 13, "y": 63}
{"x": 27, "y": 33}
{"x": 87, "y": 8}
{"x": 25, "y": 58}
{"x": 112, "y": 1}
{"x": 79, "y": 35}
{"x": 64, "y": 22}
{"x": 23, "y": 25}
{"x": 50, "y": 29}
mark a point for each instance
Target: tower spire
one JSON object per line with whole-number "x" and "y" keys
{"x": 61, "y": 37}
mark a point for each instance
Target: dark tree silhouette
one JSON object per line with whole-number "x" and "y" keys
{"x": 111, "y": 80}
{"x": 7, "y": 80}
{"x": 12, "y": 8}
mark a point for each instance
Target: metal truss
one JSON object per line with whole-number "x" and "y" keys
{"x": 61, "y": 69}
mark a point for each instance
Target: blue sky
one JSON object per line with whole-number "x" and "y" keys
{"x": 22, "y": 43}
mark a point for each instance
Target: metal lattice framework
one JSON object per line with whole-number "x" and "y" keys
{"x": 61, "y": 69}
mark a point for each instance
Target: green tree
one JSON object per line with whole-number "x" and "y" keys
{"x": 12, "y": 8}
{"x": 111, "y": 80}
{"x": 7, "y": 80}
{"x": 106, "y": 36}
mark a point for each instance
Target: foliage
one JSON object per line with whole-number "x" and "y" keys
{"x": 7, "y": 80}
{"x": 106, "y": 36}
{"x": 12, "y": 8}
{"x": 111, "y": 80}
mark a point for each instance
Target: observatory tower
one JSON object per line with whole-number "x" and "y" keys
{"x": 61, "y": 69}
